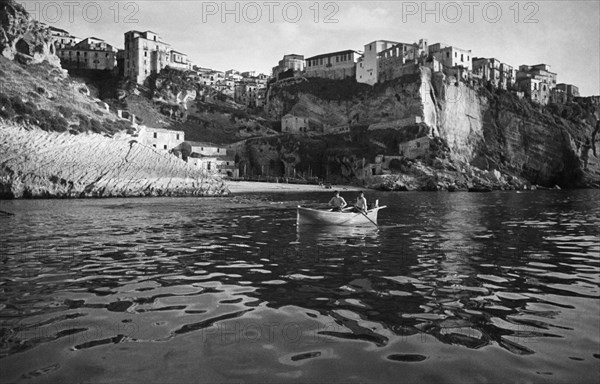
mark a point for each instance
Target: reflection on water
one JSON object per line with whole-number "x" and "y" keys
{"x": 325, "y": 236}
{"x": 450, "y": 288}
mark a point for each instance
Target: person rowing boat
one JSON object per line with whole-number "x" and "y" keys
{"x": 361, "y": 203}
{"x": 337, "y": 203}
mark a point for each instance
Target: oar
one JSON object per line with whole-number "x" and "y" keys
{"x": 368, "y": 218}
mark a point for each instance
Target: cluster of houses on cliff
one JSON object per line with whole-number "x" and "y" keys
{"x": 145, "y": 53}
{"x": 384, "y": 60}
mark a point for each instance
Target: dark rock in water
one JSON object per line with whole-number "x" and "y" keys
{"x": 480, "y": 189}
{"x": 407, "y": 358}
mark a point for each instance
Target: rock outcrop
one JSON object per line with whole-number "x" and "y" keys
{"x": 24, "y": 39}
{"x": 490, "y": 139}
{"x": 34, "y": 163}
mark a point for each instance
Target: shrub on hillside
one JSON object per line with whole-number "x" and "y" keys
{"x": 6, "y": 109}
{"x": 67, "y": 112}
{"x": 96, "y": 126}
{"x": 84, "y": 123}
{"x": 49, "y": 121}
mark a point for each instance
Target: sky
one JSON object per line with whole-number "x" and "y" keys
{"x": 254, "y": 35}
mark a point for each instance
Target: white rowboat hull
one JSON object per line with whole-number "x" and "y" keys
{"x": 319, "y": 217}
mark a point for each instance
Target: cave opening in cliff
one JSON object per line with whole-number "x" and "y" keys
{"x": 23, "y": 47}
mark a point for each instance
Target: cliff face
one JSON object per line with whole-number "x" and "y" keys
{"x": 34, "y": 163}
{"x": 46, "y": 147}
{"x": 488, "y": 138}
{"x": 498, "y": 131}
{"x": 24, "y": 39}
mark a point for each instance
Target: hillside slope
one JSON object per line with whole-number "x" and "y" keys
{"x": 58, "y": 141}
{"x": 34, "y": 163}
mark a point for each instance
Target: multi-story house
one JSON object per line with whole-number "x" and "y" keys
{"x": 334, "y": 65}
{"x": 564, "y": 93}
{"x": 293, "y": 61}
{"x": 164, "y": 139}
{"x": 393, "y": 62}
{"x": 62, "y": 38}
{"x": 495, "y": 72}
{"x": 367, "y": 66}
{"x": 179, "y": 61}
{"x": 146, "y": 53}
{"x": 246, "y": 92}
{"x": 213, "y": 159}
{"x": 451, "y": 57}
{"x": 91, "y": 53}
{"x": 536, "y": 81}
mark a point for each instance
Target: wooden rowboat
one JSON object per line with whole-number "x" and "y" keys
{"x": 327, "y": 217}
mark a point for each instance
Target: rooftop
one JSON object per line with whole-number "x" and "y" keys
{"x": 333, "y": 54}
{"x": 204, "y": 144}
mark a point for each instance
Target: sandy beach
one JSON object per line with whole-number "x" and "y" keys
{"x": 254, "y": 186}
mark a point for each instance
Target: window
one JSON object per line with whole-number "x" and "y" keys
{"x": 154, "y": 145}
{"x": 447, "y": 55}
{"x": 155, "y": 135}
{"x": 462, "y": 57}
{"x": 165, "y": 146}
{"x": 177, "y": 136}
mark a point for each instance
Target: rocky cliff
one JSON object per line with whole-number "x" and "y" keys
{"x": 481, "y": 138}
{"x": 24, "y": 39}
{"x": 34, "y": 163}
{"x": 57, "y": 141}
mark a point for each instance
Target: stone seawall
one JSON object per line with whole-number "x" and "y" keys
{"x": 35, "y": 163}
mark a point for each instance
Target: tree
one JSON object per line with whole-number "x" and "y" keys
{"x": 186, "y": 151}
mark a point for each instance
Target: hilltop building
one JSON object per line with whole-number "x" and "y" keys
{"x": 564, "y": 93}
{"x": 451, "y": 57}
{"x": 367, "y": 65}
{"x": 493, "y": 71}
{"x": 91, "y": 53}
{"x": 334, "y": 65}
{"x": 394, "y": 62}
{"x": 246, "y": 92}
{"x": 294, "y": 62}
{"x": 536, "y": 81}
{"x": 146, "y": 53}
{"x": 62, "y": 38}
